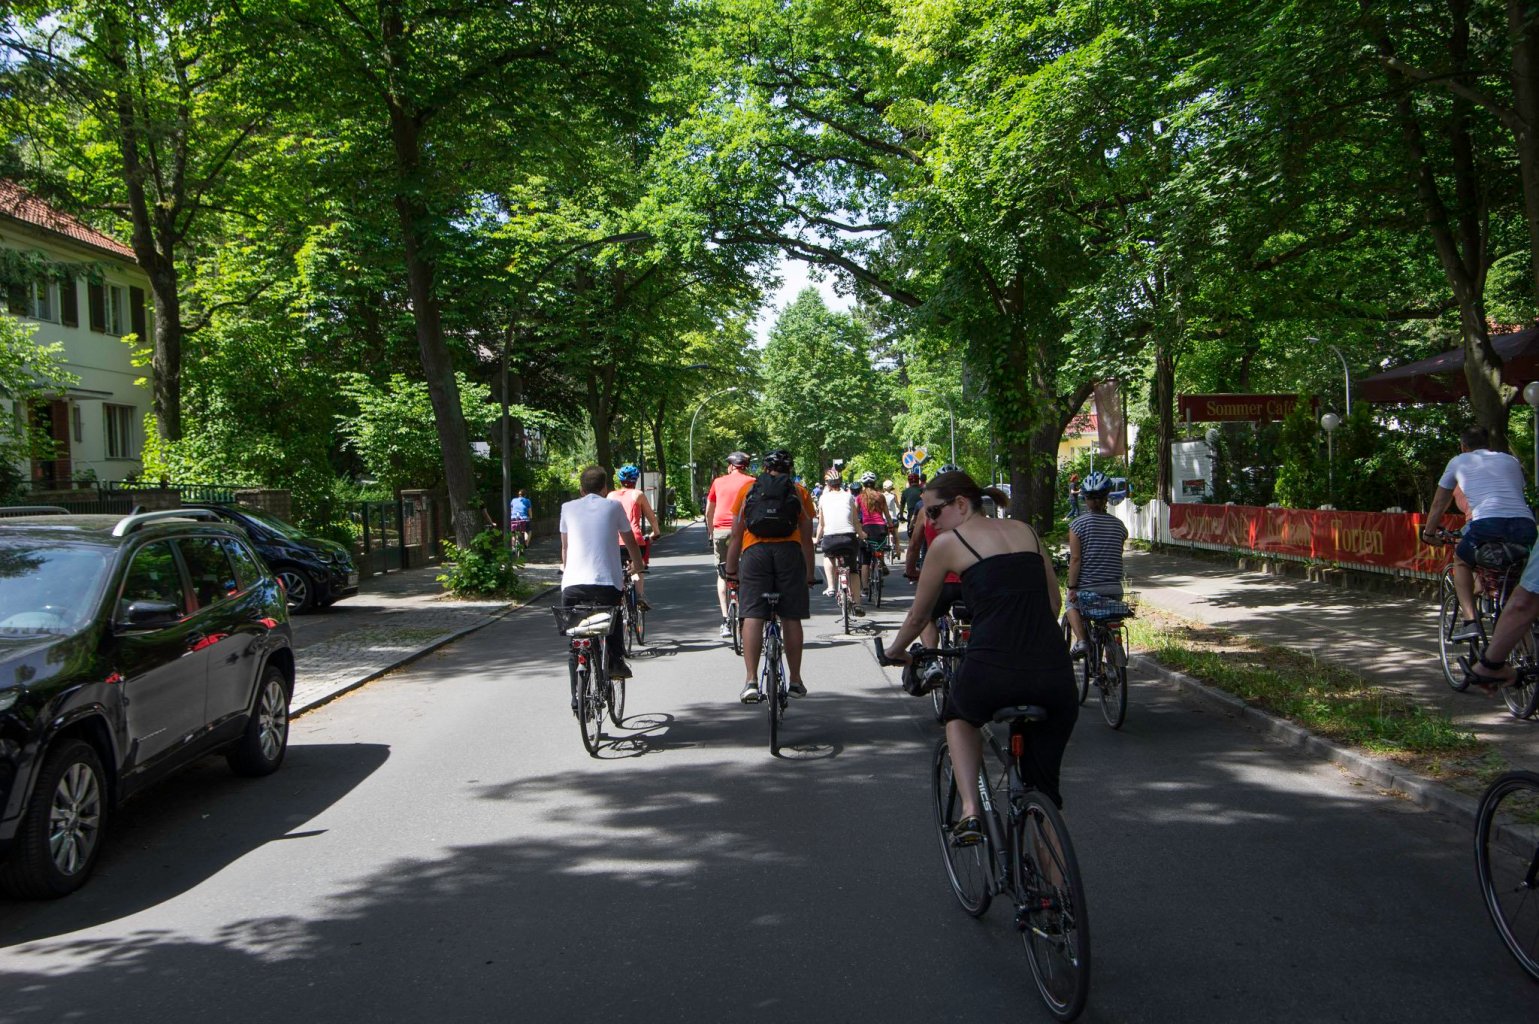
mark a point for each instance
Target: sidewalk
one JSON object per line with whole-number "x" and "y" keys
{"x": 394, "y": 619}
{"x": 1389, "y": 640}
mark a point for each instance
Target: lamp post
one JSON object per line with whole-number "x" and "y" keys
{"x": 1345, "y": 372}
{"x": 950, "y": 416}
{"x": 1329, "y": 422}
{"x": 693, "y": 485}
{"x": 1531, "y": 396}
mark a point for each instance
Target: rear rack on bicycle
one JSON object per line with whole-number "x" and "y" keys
{"x": 584, "y": 620}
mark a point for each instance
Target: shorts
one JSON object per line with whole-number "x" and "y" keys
{"x": 646, "y": 553}
{"x": 1516, "y": 530}
{"x": 876, "y": 537}
{"x": 777, "y": 567}
{"x": 720, "y": 538}
{"x": 950, "y": 594}
{"x": 841, "y": 547}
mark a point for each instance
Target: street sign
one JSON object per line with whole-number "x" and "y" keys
{"x": 914, "y": 458}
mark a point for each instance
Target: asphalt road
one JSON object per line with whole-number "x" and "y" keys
{"x": 440, "y": 847}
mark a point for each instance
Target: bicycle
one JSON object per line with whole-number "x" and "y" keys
{"x": 876, "y": 555}
{"x": 593, "y": 691}
{"x": 1498, "y": 566}
{"x": 635, "y": 616}
{"x": 734, "y": 615}
{"x": 774, "y": 686}
{"x": 842, "y": 592}
{"x": 1106, "y": 653}
{"x": 1507, "y": 861}
{"x": 953, "y": 631}
{"x": 1026, "y": 854}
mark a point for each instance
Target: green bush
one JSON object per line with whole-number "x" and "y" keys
{"x": 484, "y": 569}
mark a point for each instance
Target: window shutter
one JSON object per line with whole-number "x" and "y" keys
{"x": 136, "y": 311}
{"x": 69, "y": 303}
{"x": 16, "y": 299}
{"x": 96, "y": 299}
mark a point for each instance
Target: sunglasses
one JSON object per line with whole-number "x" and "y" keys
{"x": 934, "y": 511}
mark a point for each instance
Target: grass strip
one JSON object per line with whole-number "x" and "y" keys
{"x": 1323, "y": 697}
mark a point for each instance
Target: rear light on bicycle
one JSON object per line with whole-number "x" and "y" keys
{"x": 964, "y": 635}
{"x": 1018, "y": 745}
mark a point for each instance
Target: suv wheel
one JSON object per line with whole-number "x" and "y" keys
{"x": 260, "y": 749}
{"x": 62, "y": 828}
{"x": 300, "y": 587}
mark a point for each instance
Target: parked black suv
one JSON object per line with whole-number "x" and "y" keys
{"x": 128, "y": 648}
{"x": 315, "y": 572}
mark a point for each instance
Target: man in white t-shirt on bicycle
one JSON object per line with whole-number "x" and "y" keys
{"x": 1493, "y": 485}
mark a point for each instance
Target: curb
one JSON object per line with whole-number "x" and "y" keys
{"x": 1421, "y": 791}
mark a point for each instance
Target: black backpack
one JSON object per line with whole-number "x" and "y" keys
{"x": 772, "y": 508}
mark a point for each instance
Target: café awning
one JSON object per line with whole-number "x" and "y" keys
{"x": 1441, "y": 378}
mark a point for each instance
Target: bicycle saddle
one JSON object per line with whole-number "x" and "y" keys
{"x": 1024, "y": 712}
{"x": 1500, "y": 554}
{"x": 960, "y": 612}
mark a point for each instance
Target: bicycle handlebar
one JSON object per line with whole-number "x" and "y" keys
{"x": 916, "y": 651}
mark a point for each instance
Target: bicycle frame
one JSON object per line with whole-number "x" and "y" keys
{"x": 1005, "y": 853}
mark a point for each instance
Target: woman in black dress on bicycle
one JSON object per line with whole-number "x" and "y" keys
{"x": 1016, "y": 654}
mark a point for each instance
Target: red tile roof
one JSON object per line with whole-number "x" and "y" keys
{"x": 17, "y": 204}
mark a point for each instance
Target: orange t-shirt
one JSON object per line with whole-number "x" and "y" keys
{"x": 808, "y": 512}
{"x": 630, "y": 500}
{"x": 725, "y": 491}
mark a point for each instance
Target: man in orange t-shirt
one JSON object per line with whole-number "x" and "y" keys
{"x": 720, "y": 500}
{"x": 769, "y": 565}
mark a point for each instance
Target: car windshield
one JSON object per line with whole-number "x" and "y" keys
{"x": 274, "y": 524}
{"x": 49, "y": 587}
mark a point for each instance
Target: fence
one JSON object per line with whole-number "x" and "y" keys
{"x": 118, "y": 498}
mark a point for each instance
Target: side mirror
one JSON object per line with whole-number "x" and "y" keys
{"x": 150, "y": 614}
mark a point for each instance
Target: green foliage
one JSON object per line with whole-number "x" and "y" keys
{"x": 486, "y": 568}
{"x": 29, "y": 372}
{"x": 394, "y": 431}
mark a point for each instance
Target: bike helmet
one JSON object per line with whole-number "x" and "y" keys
{"x": 886, "y": 485}
{"x": 951, "y": 467}
{"x": 738, "y": 459}
{"x": 629, "y": 474}
{"x": 1096, "y": 483}
{"x": 867, "y": 479}
{"x": 778, "y": 461}
{"x": 832, "y": 477}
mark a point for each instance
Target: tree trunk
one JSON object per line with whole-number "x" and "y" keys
{"x": 1164, "y": 411}
{"x": 1525, "y": 100}
{"x": 662, "y": 460}
{"x": 437, "y": 365}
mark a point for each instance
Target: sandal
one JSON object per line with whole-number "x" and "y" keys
{"x": 967, "y": 831}
{"x": 1495, "y": 675}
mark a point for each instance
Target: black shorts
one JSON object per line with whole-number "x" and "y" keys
{"x": 841, "y": 546}
{"x": 876, "y": 536}
{"x": 773, "y": 568}
{"x": 950, "y": 594}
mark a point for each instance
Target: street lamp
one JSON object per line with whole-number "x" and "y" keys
{"x": 1531, "y": 396}
{"x": 950, "y": 416}
{"x": 1329, "y": 422}
{"x": 1345, "y": 372}
{"x": 693, "y": 484}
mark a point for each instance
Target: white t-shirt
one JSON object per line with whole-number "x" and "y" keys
{"x": 592, "y": 526}
{"x": 835, "y": 509}
{"x": 1492, "y": 482}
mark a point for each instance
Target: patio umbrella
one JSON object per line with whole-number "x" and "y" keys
{"x": 1441, "y": 378}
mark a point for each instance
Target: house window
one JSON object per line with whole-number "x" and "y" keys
{"x": 120, "y": 431}
{"x": 77, "y": 421}
{"x": 38, "y": 300}
{"x": 117, "y": 309}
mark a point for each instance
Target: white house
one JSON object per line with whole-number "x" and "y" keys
{"x": 98, "y": 421}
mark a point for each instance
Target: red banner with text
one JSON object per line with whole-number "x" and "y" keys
{"x": 1385, "y": 540}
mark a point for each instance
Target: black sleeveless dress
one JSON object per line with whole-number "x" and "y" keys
{"x": 1016, "y": 656}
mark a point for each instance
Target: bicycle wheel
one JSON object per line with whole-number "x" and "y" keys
{"x": 616, "y": 700}
{"x": 590, "y": 710}
{"x": 1112, "y": 684}
{"x": 1507, "y": 859}
{"x": 1522, "y": 699}
{"x": 1452, "y": 650}
{"x": 967, "y": 867}
{"x": 938, "y": 695}
{"x": 638, "y": 627}
{"x": 774, "y": 691}
{"x": 845, "y": 600}
{"x": 1054, "y": 924}
{"x": 737, "y": 626}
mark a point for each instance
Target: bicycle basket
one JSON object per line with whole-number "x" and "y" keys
{"x": 583, "y": 620}
{"x": 1100, "y": 608}
{"x": 1500, "y": 555}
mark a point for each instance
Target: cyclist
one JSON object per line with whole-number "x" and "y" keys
{"x": 1096, "y": 539}
{"x": 637, "y": 508}
{"x": 771, "y": 551}
{"x": 838, "y": 529}
{"x": 873, "y": 522}
{"x": 893, "y": 517}
{"x": 719, "y": 501}
{"x": 1016, "y": 654}
{"x": 1493, "y": 486}
{"x": 519, "y": 513}
{"x": 591, "y": 572}
{"x": 908, "y": 503}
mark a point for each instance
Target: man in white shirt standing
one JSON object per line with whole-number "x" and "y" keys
{"x": 1493, "y": 485}
{"x": 590, "y": 557}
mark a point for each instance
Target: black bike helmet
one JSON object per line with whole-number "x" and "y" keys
{"x": 738, "y": 459}
{"x": 778, "y": 461}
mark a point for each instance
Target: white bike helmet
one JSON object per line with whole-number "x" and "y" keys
{"x": 1097, "y": 483}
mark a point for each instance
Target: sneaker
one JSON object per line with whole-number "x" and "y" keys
{"x": 797, "y": 689}
{"x": 750, "y": 694}
{"x": 1469, "y": 629}
{"x": 641, "y": 603}
{"x": 619, "y": 670}
{"x": 828, "y": 593}
{"x": 967, "y": 831}
{"x": 726, "y": 630}
{"x": 1078, "y": 650}
{"x": 858, "y": 610}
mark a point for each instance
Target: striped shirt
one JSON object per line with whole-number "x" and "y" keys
{"x": 1101, "y": 536}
